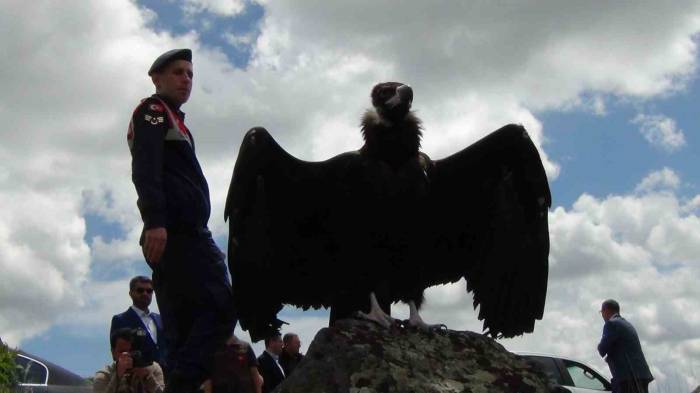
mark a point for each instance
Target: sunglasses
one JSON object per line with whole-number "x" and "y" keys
{"x": 142, "y": 290}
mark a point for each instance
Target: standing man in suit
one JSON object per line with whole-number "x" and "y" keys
{"x": 269, "y": 364}
{"x": 620, "y": 343}
{"x": 139, "y": 317}
{"x": 290, "y": 357}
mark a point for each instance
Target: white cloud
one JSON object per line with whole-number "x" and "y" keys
{"x": 478, "y": 47}
{"x": 117, "y": 250}
{"x": 43, "y": 261}
{"x": 598, "y": 105}
{"x": 692, "y": 205}
{"x": 219, "y": 7}
{"x": 239, "y": 41}
{"x": 106, "y": 299}
{"x": 663, "y": 179}
{"x": 660, "y": 131}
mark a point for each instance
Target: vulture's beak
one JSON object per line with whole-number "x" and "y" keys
{"x": 404, "y": 95}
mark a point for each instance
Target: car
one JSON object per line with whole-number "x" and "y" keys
{"x": 37, "y": 375}
{"x": 570, "y": 375}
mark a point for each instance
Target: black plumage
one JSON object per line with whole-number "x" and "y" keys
{"x": 387, "y": 219}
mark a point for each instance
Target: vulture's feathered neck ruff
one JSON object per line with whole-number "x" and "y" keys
{"x": 394, "y": 142}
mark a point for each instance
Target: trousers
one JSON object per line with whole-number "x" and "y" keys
{"x": 195, "y": 301}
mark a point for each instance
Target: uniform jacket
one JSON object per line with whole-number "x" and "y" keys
{"x": 620, "y": 344}
{"x": 270, "y": 371}
{"x": 172, "y": 191}
{"x": 129, "y": 319}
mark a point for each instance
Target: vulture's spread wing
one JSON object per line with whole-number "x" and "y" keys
{"x": 286, "y": 219}
{"x": 487, "y": 212}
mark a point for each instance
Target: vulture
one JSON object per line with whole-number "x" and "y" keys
{"x": 368, "y": 228}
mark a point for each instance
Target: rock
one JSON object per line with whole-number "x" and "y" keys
{"x": 357, "y": 356}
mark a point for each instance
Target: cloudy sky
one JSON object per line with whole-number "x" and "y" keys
{"x": 609, "y": 92}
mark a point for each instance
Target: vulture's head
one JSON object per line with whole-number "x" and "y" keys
{"x": 392, "y": 100}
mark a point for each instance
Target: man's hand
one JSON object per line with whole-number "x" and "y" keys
{"x": 145, "y": 374}
{"x": 141, "y": 372}
{"x": 124, "y": 364}
{"x": 154, "y": 244}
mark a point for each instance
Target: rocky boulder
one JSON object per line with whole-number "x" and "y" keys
{"x": 361, "y": 357}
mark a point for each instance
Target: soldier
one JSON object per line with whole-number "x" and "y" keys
{"x": 189, "y": 273}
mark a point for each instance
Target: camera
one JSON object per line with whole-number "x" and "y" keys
{"x": 139, "y": 358}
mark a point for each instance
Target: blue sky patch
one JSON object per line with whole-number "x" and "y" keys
{"x": 607, "y": 154}
{"x": 73, "y": 351}
{"x": 233, "y": 35}
{"x": 95, "y": 225}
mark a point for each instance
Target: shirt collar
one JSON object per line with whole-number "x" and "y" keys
{"x": 276, "y": 357}
{"x": 140, "y": 312}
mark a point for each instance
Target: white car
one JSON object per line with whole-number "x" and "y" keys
{"x": 572, "y": 375}
{"x": 37, "y": 375}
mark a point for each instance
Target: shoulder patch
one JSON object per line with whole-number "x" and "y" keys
{"x": 156, "y": 107}
{"x": 152, "y": 119}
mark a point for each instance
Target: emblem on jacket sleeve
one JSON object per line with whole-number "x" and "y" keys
{"x": 154, "y": 119}
{"x": 156, "y": 108}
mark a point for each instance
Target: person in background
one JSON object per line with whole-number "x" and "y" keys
{"x": 622, "y": 351}
{"x": 268, "y": 362}
{"x": 290, "y": 356}
{"x": 138, "y": 316}
{"x": 235, "y": 369}
{"x": 124, "y": 375}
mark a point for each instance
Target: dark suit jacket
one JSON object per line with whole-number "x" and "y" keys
{"x": 152, "y": 350}
{"x": 270, "y": 372}
{"x": 289, "y": 362}
{"x": 621, "y": 344}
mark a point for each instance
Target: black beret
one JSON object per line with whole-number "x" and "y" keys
{"x": 168, "y": 57}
